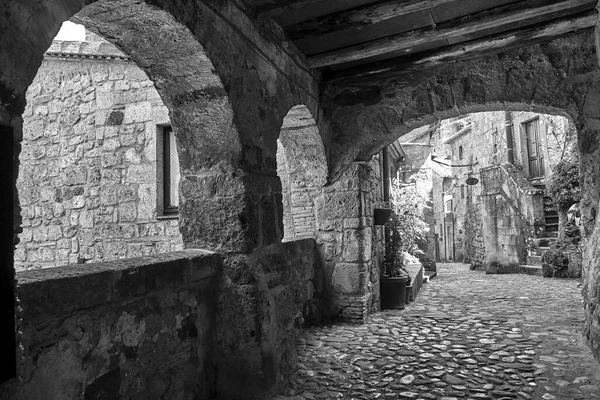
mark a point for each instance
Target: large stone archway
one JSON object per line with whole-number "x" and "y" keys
{"x": 228, "y": 121}
{"x": 557, "y": 77}
{"x": 227, "y": 95}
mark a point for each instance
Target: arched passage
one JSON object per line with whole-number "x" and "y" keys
{"x": 302, "y": 169}
{"x": 208, "y": 149}
{"x": 557, "y": 77}
{"x": 226, "y": 129}
{"x": 198, "y": 105}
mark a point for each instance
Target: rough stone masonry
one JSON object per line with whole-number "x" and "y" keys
{"x": 90, "y": 177}
{"x": 228, "y": 80}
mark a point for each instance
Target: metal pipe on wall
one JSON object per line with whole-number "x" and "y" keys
{"x": 386, "y": 174}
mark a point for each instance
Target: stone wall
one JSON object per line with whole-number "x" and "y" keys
{"x": 89, "y": 181}
{"x": 145, "y": 327}
{"x": 474, "y": 143}
{"x": 474, "y": 242}
{"x": 302, "y": 169}
{"x": 136, "y": 328}
{"x": 350, "y": 244}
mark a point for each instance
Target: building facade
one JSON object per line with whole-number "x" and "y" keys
{"x": 489, "y": 184}
{"x": 93, "y": 182}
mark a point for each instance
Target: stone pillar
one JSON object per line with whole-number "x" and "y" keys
{"x": 588, "y": 130}
{"x": 345, "y": 236}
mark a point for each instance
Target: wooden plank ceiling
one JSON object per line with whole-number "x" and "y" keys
{"x": 361, "y": 40}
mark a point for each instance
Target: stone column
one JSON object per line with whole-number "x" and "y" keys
{"x": 345, "y": 236}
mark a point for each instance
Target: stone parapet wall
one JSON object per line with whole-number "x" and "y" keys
{"x": 88, "y": 182}
{"x": 136, "y": 328}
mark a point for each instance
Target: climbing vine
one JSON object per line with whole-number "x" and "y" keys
{"x": 563, "y": 186}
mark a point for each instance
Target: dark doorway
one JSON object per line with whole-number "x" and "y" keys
{"x": 7, "y": 274}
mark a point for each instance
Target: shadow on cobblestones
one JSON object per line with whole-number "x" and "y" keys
{"x": 467, "y": 336}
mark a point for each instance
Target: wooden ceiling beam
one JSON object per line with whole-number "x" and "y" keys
{"x": 465, "y": 51}
{"x": 360, "y": 17}
{"x": 405, "y": 42}
{"x": 281, "y": 7}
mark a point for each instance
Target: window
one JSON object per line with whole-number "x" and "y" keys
{"x": 460, "y": 153}
{"x": 441, "y": 232}
{"x": 448, "y": 207}
{"x": 531, "y": 130}
{"x": 462, "y": 191}
{"x": 170, "y": 172}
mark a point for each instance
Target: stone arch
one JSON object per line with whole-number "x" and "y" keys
{"x": 550, "y": 78}
{"x": 302, "y": 169}
{"x": 560, "y": 76}
{"x": 199, "y": 107}
{"x": 213, "y": 196}
{"x": 227, "y": 126}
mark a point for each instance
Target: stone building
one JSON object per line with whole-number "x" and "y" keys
{"x": 221, "y": 317}
{"x": 91, "y": 183}
{"x": 489, "y": 185}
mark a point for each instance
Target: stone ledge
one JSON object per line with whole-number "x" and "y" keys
{"x": 415, "y": 271}
{"x": 63, "y": 290}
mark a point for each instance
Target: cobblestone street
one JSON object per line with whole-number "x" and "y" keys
{"x": 467, "y": 336}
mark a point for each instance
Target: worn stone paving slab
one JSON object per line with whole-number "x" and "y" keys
{"x": 467, "y": 336}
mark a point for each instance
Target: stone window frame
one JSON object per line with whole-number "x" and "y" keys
{"x": 163, "y": 210}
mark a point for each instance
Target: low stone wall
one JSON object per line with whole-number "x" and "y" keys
{"x": 135, "y": 328}
{"x": 415, "y": 271}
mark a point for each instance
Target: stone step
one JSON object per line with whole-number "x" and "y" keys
{"x": 530, "y": 269}
{"x": 534, "y": 260}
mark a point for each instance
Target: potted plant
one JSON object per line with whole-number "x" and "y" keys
{"x": 395, "y": 277}
{"x": 406, "y": 230}
{"x": 381, "y": 213}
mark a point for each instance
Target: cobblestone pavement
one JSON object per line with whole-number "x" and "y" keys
{"x": 467, "y": 336}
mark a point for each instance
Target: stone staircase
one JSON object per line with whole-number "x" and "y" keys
{"x": 544, "y": 243}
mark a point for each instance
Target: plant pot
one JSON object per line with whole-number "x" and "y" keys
{"x": 381, "y": 215}
{"x": 408, "y": 293}
{"x": 393, "y": 292}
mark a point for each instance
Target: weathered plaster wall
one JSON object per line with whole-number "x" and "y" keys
{"x": 130, "y": 329}
{"x": 90, "y": 167}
